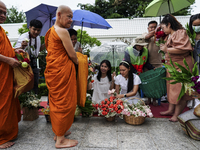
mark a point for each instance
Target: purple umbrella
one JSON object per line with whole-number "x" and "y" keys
{"x": 43, "y": 13}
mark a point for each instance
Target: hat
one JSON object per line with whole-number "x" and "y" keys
{"x": 139, "y": 40}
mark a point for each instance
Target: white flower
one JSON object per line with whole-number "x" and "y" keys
{"x": 88, "y": 95}
{"x": 35, "y": 102}
{"x": 26, "y": 39}
{"x": 35, "y": 105}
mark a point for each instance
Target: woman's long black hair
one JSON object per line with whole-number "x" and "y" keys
{"x": 175, "y": 25}
{"x": 192, "y": 19}
{"x": 107, "y": 62}
{"x": 130, "y": 74}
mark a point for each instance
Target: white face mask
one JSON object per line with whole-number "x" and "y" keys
{"x": 196, "y": 29}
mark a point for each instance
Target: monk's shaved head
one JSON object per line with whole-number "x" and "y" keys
{"x": 3, "y": 12}
{"x": 2, "y": 4}
{"x": 63, "y": 9}
{"x": 64, "y": 16}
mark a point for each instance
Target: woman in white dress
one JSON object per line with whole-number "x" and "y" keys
{"x": 102, "y": 82}
{"x": 128, "y": 82}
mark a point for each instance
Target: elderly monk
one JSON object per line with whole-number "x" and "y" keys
{"x": 60, "y": 76}
{"x": 9, "y": 107}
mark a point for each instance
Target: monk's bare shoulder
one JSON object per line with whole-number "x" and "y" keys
{"x": 62, "y": 32}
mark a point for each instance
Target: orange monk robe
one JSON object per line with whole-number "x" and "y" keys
{"x": 60, "y": 76}
{"x": 82, "y": 79}
{"x": 9, "y": 107}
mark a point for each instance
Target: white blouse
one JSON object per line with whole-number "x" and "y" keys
{"x": 100, "y": 89}
{"x": 123, "y": 82}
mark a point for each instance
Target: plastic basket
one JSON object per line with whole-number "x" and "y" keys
{"x": 153, "y": 85}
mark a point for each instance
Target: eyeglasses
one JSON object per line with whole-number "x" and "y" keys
{"x": 3, "y": 12}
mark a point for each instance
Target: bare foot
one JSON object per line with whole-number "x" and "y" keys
{"x": 6, "y": 145}
{"x": 66, "y": 134}
{"x": 66, "y": 143}
{"x": 173, "y": 119}
{"x": 166, "y": 113}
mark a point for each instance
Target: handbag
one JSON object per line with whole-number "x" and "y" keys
{"x": 23, "y": 80}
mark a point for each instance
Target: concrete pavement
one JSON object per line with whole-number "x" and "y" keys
{"x": 96, "y": 133}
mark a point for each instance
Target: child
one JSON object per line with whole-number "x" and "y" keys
{"x": 128, "y": 82}
{"x": 102, "y": 82}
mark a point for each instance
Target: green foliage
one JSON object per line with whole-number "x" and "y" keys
{"x": 123, "y": 8}
{"x": 14, "y": 16}
{"x": 23, "y": 29}
{"x": 88, "y": 109}
{"x": 184, "y": 76}
{"x": 86, "y": 40}
{"x": 43, "y": 90}
{"x": 191, "y": 36}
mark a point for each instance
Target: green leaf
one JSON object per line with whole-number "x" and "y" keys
{"x": 174, "y": 82}
{"x": 186, "y": 65}
{"x": 183, "y": 69}
{"x": 19, "y": 57}
{"x": 195, "y": 70}
{"x": 181, "y": 93}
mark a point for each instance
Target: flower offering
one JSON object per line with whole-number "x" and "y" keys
{"x": 46, "y": 110}
{"x": 136, "y": 110}
{"x": 22, "y": 57}
{"x": 110, "y": 107}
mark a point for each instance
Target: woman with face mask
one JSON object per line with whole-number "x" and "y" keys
{"x": 194, "y": 26}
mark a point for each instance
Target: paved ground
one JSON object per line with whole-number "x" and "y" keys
{"x": 96, "y": 133}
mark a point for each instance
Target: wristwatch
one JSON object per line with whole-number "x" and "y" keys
{"x": 124, "y": 95}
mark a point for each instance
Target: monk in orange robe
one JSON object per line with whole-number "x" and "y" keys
{"x": 10, "y": 113}
{"x": 60, "y": 76}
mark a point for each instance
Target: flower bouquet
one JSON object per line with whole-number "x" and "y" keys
{"x": 135, "y": 113}
{"x": 23, "y": 58}
{"x": 191, "y": 36}
{"x": 159, "y": 39}
{"x": 110, "y": 108}
{"x": 187, "y": 78}
{"x": 46, "y": 112}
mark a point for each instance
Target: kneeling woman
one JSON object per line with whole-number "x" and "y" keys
{"x": 102, "y": 82}
{"x": 128, "y": 82}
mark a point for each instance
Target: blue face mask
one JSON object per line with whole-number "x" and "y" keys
{"x": 196, "y": 29}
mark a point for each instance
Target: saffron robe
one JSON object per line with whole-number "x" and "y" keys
{"x": 60, "y": 76}
{"x": 82, "y": 79}
{"x": 9, "y": 107}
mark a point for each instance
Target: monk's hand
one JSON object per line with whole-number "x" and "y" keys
{"x": 19, "y": 51}
{"x": 13, "y": 62}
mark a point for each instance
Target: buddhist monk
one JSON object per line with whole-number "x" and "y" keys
{"x": 60, "y": 76}
{"x": 9, "y": 107}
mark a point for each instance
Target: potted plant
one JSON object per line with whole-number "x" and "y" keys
{"x": 46, "y": 112}
{"x": 30, "y": 105}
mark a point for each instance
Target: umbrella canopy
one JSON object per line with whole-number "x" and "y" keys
{"x": 85, "y": 18}
{"x": 43, "y": 13}
{"x": 163, "y": 7}
{"x": 112, "y": 51}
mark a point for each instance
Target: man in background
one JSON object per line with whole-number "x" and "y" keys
{"x": 31, "y": 43}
